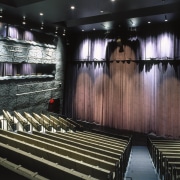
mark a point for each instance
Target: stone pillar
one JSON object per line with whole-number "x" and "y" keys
{"x": 60, "y": 69}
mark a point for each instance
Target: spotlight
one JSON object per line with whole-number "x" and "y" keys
{"x": 56, "y": 31}
{"x": 42, "y": 26}
{"x": 64, "y": 33}
{"x": 24, "y": 20}
{"x": 1, "y": 13}
{"x": 72, "y": 7}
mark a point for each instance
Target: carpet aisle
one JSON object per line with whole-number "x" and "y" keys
{"x": 140, "y": 166}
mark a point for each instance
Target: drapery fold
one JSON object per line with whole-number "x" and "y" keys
{"x": 14, "y": 69}
{"x": 120, "y": 96}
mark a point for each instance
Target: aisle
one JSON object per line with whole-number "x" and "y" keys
{"x": 140, "y": 166}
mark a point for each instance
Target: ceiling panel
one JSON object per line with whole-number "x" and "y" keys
{"x": 18, "y": 3}
{"x": 87, "y": 13}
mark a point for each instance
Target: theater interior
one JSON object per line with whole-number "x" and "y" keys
{"x": 89, "y": 89}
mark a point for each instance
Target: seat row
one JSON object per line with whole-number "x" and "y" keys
{"x": 165, "y": 154}
{"x": 38, "y": 121}
{"x": 70, "y": 155}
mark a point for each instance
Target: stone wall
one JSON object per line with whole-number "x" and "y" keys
{"x": 32, "y": 95}
{"x": 28, "y": 96}
{"x": 60, "y": 70}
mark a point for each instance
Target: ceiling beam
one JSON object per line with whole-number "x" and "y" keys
{"x": 143, "y": 12}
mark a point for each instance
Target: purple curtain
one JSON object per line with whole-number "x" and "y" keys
{"x": 28, "y": 69}
{"x": 13, "y": 69}
{"x": 140, "y": 95}
{"x": 124, "y": 95}
{"x": 13, "y": 32}
{"x": 8, "y": 69}
{"x": 28, "y": 36}
{"x": 16, "y": 33}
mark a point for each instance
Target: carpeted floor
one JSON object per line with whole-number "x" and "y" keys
{"x": 140, "y": 166}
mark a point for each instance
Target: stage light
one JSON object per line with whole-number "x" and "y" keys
{"x": 24, "y": 20}
{"x": 72, "y": 7}
{"x": 1, "y": 13}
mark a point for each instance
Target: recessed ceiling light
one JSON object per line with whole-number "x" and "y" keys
{"x": 72, "y": 7}
{"x": 83, "y": 30}
{"x": 94, "y": 29}
{"x": 149, "y": 22}
{"x": 41, "y": 14}
{"x": 113, "y": 0}
{"x": 101, "y": 11}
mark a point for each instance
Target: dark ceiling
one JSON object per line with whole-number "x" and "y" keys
{"x": 88, "y": 14}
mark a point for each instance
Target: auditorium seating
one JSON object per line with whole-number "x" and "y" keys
{"x": 39, "y": 122}
{"x": 22, "y": 120}
{"x": 45, "y": 124}
{"x": 74, "y": 154}
{"x": 165, "y": 154}
{"x": 19, "y": 171}
{"x": 44, "y": 167}
{"x": 51, "y": 122}
{"x": 33, "y": 121}
{"x": 9, "y": 119}
{"x": 78, "y": 126}
{"x": 60, "y": 123}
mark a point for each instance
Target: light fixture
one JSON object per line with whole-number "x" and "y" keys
{"x": 82, "y": 30}
{"x": 72, "y": 7}
{"x": 24, "y": 20}
{"x": 41, "y": 14}
{"x": 1, "y": 13}
{"x": 56, "y": 31}
{"x": 42, "y": 26}
{"x": 165, "y": 18}
{"x": 94, "y": 29}
{"x": 64, "y": 33}
{"x": 132, "y": 23}
{"x": 149, "y": 22}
